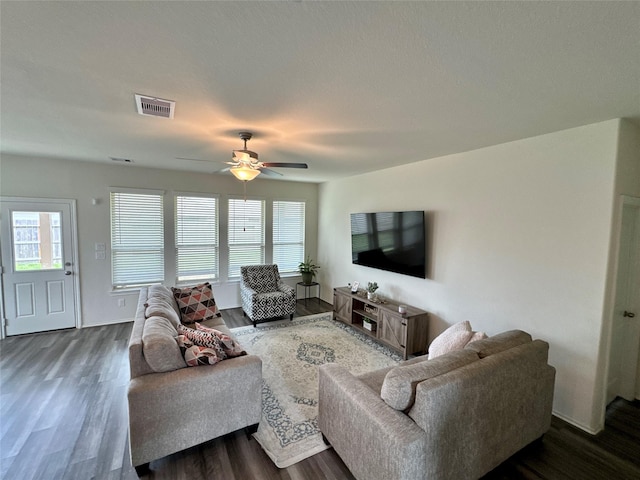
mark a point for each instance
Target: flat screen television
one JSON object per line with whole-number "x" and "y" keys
{"x": 392, "y": 241}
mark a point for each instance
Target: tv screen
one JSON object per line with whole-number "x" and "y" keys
{"x": 392, "y": 241}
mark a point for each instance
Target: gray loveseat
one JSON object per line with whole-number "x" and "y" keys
{"x": 171, "y": 406}
{"x": 457, "y": 416}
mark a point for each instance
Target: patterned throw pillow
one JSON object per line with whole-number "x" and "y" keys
{"x": 196, "y": 304}
{"x": 199, "y": 348}
{"x": 195, "y": 355}
{"x": 229, "y": 345}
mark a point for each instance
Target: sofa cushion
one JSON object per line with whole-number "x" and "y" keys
{"x": 375, "y": 379}
{"x": 399, "y": 386}
{"x": 159, "y": 345}
{"x": 499, "y": 343}
{"x": 160, "y": 307}
{"x": 477, "y": 336}
{"x": 196, "y": 303}
{"x": 453, "y": 338}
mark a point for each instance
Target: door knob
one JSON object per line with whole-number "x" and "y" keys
{"x": 628, "y": 314}
{"x": 68, "y": 272}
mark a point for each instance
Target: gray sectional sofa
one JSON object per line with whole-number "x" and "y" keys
{"x": 171, "y": 406}
{"x": 457, "y": 416}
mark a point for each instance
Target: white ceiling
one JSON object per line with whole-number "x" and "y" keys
{"x": 347, "y": 87}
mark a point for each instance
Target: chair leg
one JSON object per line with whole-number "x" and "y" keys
{"x": 251, "y": 429}
{"x": 254, "y": 324}
{"x": 291, "y": 317}
{"x": 142, "y": 470}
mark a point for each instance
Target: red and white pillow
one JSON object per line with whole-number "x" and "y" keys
{"x": 229, "y": 345}
{"x": 196, "y": 304}
{"x": 206, "y": 346}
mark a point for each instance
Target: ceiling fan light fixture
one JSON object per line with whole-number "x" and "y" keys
{"x": 244, "y": 156}
{"x": 244, "y": 173}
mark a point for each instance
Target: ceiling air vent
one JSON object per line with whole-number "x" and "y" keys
{"x": 155, "y": 107}
{"x": 121, "y": 160}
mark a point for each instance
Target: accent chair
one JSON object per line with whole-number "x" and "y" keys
{"x": 264, "y": 295}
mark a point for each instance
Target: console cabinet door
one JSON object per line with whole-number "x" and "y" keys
{"x": 393, "y": 330}
{"x": 342, "y": 307}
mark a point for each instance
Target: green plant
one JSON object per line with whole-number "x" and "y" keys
{"x": 372, "y": 287}
{"x": 308, "y": 266}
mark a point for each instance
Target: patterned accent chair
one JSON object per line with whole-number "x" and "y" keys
{"x": 264, "y": 295}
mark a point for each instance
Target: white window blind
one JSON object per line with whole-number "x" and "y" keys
{"x": 245, "y": 234}
{"x": 288, "y": 235}
{"x": 196, "y": 238}
{"x": 137, "y": 239}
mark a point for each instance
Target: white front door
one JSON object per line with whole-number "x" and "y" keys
{"x": 38, "y": 264}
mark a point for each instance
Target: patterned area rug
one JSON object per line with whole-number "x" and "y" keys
{"x": 291, "y": 352}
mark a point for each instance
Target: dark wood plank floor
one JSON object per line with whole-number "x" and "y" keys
{"x": 64, "y": 416}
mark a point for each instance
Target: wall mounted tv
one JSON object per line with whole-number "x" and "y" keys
{"x": 392, "y": 241}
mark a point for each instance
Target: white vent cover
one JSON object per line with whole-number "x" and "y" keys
{"x": 155, "y": 107}
{"x": 122, "y": 160}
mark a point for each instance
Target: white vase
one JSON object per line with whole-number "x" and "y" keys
{"x": 371, "y": 295}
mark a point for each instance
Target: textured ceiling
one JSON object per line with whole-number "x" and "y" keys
{"x": 347, "y": 87}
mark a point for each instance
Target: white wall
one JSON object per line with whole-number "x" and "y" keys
{"x": 52, "y": 178}
{"x": 519, "y": 238}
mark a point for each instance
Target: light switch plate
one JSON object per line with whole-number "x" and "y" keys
{"x": 101, "y": 247}
{"x": 101, "y": 255}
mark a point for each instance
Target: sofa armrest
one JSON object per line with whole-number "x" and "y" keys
{"x": 374, "y": 440}
{"x": 171, "y": 411}
{"x": 288, "y": 289}
{"x": 246, "y": 289}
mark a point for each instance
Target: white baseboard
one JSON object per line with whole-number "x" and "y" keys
{"x": 112, "y": 322}
{"x": 577, "y": 424}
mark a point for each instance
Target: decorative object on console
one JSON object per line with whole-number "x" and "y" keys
{"x": 371, "y": 290}
{"x": 308, "y": 270}
{"x": 369, "y": 324}
{"x": 456, "y": 337}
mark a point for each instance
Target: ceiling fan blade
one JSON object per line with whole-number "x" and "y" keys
{"x": 270, "y": 173}
{"x": 285, "y": 165}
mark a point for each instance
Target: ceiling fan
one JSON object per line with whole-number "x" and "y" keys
{"x": 246, "y": 166}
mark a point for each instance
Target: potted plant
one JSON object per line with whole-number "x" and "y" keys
{"x": 308, "y": 270}
{"x": 369, "y": 324}
{"x": 371, "y": 290}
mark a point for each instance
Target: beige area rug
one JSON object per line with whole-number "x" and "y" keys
{"x": 291, "y": 352}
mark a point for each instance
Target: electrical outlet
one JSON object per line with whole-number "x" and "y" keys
{"x": 101, "y": 255}
{"x": 121, "y": 302}
{"x": 100, "y": 247}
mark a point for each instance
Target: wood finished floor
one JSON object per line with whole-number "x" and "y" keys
{"x": 64, "y": 416}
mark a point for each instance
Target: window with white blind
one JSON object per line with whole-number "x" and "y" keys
{"x": 245, "y": 234}
{"x": 288, "y": 235}
{"x": 137, "y": 238}
{"x": 197, "y": 248}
